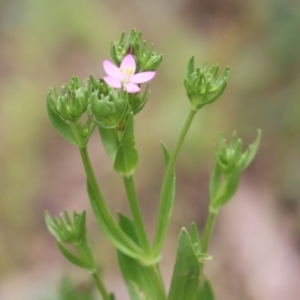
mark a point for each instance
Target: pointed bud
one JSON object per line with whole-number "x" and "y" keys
{"x": 138, "y": 100}
{"x": 230, "y": 162}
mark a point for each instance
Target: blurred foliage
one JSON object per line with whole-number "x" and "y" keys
{"x": 69, "y": 291}
{"x": 44, "y": 43}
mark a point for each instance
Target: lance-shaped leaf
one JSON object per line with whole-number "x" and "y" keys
{"x": 251, "y": 151}
{"x": 111, "y": 228}
{"x": 185, "y": 278}
{"x": 127, "y": 156}
{"x": 139, "y": 279}
{"x": 165, "y": 210}
{"x": 110, "y": 141}
{"x": 61, "y": 126}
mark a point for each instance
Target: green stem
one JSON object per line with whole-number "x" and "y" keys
{"x": 103, "y": 215}
{"x": 165, "y": 208}
{"x": 86, "y": 252}
{"x": 208, "y": 229}
{"x": 158, "y": 282}
{"x": 209, "y": 225}
{"x": 136, "y": 214}
{"x": 100, "y": 285}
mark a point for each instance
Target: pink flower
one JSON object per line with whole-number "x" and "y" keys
{"x": 124, "y": 76}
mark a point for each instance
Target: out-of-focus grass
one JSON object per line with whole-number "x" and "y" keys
{"x": 44, "y": 43}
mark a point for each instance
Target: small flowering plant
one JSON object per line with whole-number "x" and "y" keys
{"x": 110, "y": 105}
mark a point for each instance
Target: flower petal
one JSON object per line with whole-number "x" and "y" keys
{"x": 111, "y": 69}
{"x": 131, "y": 88}
{"x": 128, "y": 62}
{"x": 142, "y": 77}
{"x": 113, "y": 81}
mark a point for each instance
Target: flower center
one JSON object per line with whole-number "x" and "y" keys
{"x": 127, "y": 72}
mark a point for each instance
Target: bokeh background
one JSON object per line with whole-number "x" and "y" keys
{"x": 256, "y": 244}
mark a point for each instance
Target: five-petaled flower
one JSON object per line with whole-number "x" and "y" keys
{"x": 124, "y": 75}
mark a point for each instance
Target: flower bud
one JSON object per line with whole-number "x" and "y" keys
{"x": 64, "y": 229}
{"x": 146, "y": 60}
{"x": 99, "y": 86}
{"x": 109, "y": 110}
{"x": 137, "y": 101}
{"x": 73, "y": 101}
{"x": 230, "y": 162}
{"x": 202, "y": 86}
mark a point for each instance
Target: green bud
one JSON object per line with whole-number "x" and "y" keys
{"x": 99, "y": 86}
{"x": 137, "y": 101}
{"x": 202, "y": 86}
{"x": 64, "y": 229}
{"x": 73, "y": 101}
{"x": 230, "y": 162}
{"x": 146, "y": 60}
{"x": 109, "y": 110}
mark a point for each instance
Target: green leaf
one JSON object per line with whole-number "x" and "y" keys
{"x": 62, "y": 127}
{"x": 185, "y": 279}
{"x": 72, "y": 258}
{"x": 68, "y": 290}
{"x": 139, "y": 279}
{"x": 127, "y": 156}
{"x": 166, "y": 211}
{"x": 205, "y": 291}
{"x": 110, "y": 141}
{"x": 111, "y": 228}
{"x": 128, "y": 227}
{"x": 250, "y": 153}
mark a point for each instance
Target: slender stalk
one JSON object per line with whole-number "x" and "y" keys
{"x": 208, "y": 229}
{"x": 86, "y": 252}
{"x": 108, "y": 223}
{"x": 159, "y": 280}
{"x": 209, "y": 225}
{"x": 136, "y": 214}
{"x": 158, "y": 283}
{"x": 165, "y": 208}
{"x": 100, "y": 285}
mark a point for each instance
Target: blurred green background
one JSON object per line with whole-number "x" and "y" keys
{"x": 257, "y": 239}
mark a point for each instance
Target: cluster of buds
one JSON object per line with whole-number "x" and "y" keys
{"x": 230, "y": 162}
{"x": 201, "y": 84}
{"x": 109, "y": 110}
{"x": 73, "y": 101}
{"x": 72, "y": 232}
{"x": 66, "y": 230}
{"x": 146, "y": 60}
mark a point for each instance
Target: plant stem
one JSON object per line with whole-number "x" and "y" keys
{"x": 103, "y": 215}
{"x": 209, "y": 225}
{"x": 158, "y": 282}
{"x": 86, "y": 252}
{"x": 165, "y": 208}
{"x": 100, "y": 285}
{"x": 136, "y": 214}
